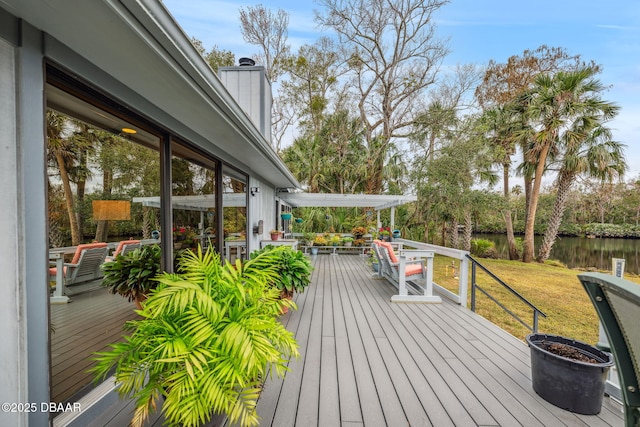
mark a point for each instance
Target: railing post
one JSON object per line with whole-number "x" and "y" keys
{"x": 473, "y": 286}
{"x": 535, "y": 321}
{"x": 428, "y": 291}
{"x": 402, "y": 281}
{"x": 463, "y": 281}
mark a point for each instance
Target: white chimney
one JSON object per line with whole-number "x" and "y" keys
{"x": 251, "y": 88}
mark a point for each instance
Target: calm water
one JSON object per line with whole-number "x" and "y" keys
{"x": 584, "y": 253}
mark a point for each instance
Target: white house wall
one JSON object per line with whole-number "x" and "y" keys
{"x": 261, "y": 207}
{"x": 180, "y": 94}
{"x": 12, "y": 363}
{"x": 24, "y": 360}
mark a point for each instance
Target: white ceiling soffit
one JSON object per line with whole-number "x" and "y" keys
{"x": 139, "y": 44}
{"x": 378, "y": 202}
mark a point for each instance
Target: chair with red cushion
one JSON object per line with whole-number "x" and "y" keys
{"x": 124, "y": 247}
{"x": 85, "y": 265}
{"x": 401, "y": 271}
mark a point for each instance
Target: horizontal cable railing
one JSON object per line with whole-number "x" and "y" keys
{"x": 474, "y": 285}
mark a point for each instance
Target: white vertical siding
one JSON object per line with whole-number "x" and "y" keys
{"x": 262, "y": 206}
{"x": 250, "y": 87}
{"x": 12, "y": 310}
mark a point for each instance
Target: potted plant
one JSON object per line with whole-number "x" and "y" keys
{"x": 347, "y": 241}
{"x": 275, "y": 234}
{"x": 194, "y": 345}
{"x": 132, "y": 275}
{"x": 372, "y": 260}
{"x": 359, "y": 242}
{"x": 286, "y": 216}
{"x": 317, "y": 242}
{"x": 358, "y": 232}
{"x": 293, "y": 270}
{"x": 308, "y": 238}
{"x": 384, "y": 234}
{"x": 568, "y": 373}
{"x": 335, "y": 240}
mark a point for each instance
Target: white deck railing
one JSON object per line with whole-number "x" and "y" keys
{"x": 463, "y": 268}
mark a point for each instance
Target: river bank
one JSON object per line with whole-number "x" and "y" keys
{"x": 583, "y": 253}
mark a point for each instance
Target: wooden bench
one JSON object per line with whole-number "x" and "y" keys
{"x": 411, "y": 271}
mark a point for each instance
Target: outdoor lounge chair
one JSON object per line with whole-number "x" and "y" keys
{"x": 124, "y": 247}
{"x": 85, "y": 265}
{"x": 617, "y": 302}
{"x": 402, "y": 271}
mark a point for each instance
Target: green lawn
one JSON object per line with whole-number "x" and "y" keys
{"x": 554, "y": 290}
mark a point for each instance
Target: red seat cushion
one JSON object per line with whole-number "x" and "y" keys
{"x": 412, "y": 269}
{"x": 53, "y": 271}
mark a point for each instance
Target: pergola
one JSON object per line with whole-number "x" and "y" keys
{"x": 376, "y": 201}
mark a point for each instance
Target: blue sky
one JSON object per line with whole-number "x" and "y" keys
{"x": 478, "y": 31}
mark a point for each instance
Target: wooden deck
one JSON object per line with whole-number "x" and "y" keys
{"x": 89, "y": 323}
{"x": 367, "y": 362}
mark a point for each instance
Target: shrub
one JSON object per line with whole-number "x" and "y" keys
{"x": 483, "y": 248}
{"x": 320, "y": 241}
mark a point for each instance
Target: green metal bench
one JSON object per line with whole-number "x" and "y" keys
{"x": 617, "y": 302}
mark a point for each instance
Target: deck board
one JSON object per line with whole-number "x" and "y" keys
{"x": 374, "y": 363}
{"x": 93, "y": 320}
{"x": 365, "y": 361}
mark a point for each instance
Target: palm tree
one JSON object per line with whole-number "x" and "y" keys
{"x": 595, "y": 156}
{"x": 61, "y": 152}
{"x": 553, "y": 105}
{"x": 501, "y": 125}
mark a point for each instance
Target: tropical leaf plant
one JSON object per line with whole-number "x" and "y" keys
{"x": 132, "y": 275}
{"x": 293, "y": 269}
{"x": 207, "y": 340}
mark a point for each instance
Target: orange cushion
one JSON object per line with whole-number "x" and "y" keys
{"x": 412, "y": 269}
{"x": 76, "y": 256}
{"x": 392, "y": 255}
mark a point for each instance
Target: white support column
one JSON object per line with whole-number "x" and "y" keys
{"x": 378, "y": 220}
{"x": 393, "y": 218}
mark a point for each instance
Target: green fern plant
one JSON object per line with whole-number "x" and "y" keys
{"x": 293, "y": 269}
{"x": 207, "y": 339}
{"x": 132, "y": 275}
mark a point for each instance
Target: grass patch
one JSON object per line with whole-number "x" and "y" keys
{"x": 551, "y": 287}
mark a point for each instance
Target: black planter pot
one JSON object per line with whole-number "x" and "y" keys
{"x": 569, "y": 384}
